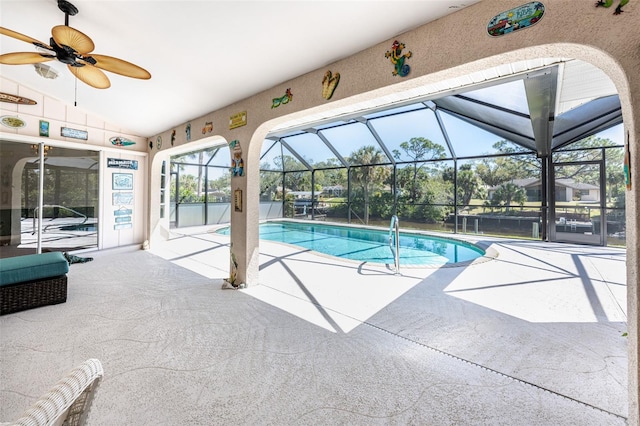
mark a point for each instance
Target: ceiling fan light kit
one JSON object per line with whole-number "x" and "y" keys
{"x": 46, "y": 71}
{"x": 72, "y": 48}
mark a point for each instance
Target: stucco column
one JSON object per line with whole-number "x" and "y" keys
{"x": 245, "y": 215}
{"x": 157, "y": 227}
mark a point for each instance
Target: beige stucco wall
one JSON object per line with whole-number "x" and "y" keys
{"x": 452, "y": 47}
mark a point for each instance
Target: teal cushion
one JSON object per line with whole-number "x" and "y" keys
{"x": 32, "y": 267}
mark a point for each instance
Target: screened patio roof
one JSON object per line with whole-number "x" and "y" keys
{"x": 540, "y": 108}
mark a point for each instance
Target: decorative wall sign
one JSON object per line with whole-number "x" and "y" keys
{"x": 627, "y": 164}
{"x": 159, "y": 142}
{"x": 238, "y": 120}
{"x": 329, "y": 84}
{"x": 173, "y": 137}
{"x": 398, "y": 59}
{"x": 12, "y": 122}
{"x": 74, "y": 133}
{"x": 123, "y": 219}
{"x": 120, "y": 226}
{"x": 608, "y": 3}
{"x": 44, "y": 128}
{"x": 121, "y": 141}
{"x": 515, "y": 19}
{"x": 208, "y": 127}
{"x": 288, "y": 96}
{"x": 122, "y": 163}
{"x": 13, "y": 99}
{"x": 122, "y": 198}
{"x": 237, "y": 163}
{"x": 122, "y": 181}
{"x": 237, "y": 200}
{"x": 187, "y": 131}
{"x": 123, "y": 212}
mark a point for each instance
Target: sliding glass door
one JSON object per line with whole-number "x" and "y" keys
{"x": 70, "y": 208}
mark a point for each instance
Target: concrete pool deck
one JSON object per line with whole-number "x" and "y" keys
{"x": 534, "y": 336}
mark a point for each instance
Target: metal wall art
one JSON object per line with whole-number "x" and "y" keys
{"x": 121, "y": 163}
{"x": 276, "y": 102}
{"x": 44, "y": 128}
{"x": 238, "y": 120}
{"x": 12, "y": 122}
{"x": 237, "y": 163}
{"x": 329, "y": 84}
{"x": 121, "y": 141}
{"x": 609, "y": 3}
{"x": 515, "y": 19}
{"x": 398, "y": 59}
{"x": 627, "y": 164}
{"x": 237, "y": 200}
{"x": 122, "y": 181}
{"x": 13, "y": 99}
{"x": 208, "y": 127}
{"x": 68, "y": 132}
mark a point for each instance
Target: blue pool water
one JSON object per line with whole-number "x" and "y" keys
{"x": 368, "y": 245}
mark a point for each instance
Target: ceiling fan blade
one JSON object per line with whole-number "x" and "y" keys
{"x": 67, "y": 36}
{"x": 22, "y": 37}
{"x": 22, "y": 58}
{"x": 119, "y": 66}
{"x": 91, "y": 75}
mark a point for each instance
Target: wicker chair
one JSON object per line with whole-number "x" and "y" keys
{"x": 67, "y": 403}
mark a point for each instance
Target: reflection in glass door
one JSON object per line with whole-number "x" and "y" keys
{"x": 70, "y": 198}
{"x": 578, "y": 203}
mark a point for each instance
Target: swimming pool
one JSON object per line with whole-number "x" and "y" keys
{"x": 369, "y": 245}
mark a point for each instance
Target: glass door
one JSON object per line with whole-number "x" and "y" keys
{"x": 578, "y": 203}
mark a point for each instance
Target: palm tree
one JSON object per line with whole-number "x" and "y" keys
{"x": 368, "y": 177}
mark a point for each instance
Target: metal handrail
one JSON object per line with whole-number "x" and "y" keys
{"x": 35, "y": 211}
{"x": 356, "y": 215}
{"x": 394, "y": 234}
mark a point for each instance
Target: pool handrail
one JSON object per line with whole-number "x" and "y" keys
{"x": 394, "y": 231}
{"x": 58, "y": 225}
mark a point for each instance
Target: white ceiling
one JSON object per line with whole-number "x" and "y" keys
{"x": 203, "y": 55}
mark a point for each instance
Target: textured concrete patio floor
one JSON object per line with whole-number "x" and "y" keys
{"x": 533, "y": 337}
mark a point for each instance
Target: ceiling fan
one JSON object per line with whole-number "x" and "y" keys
{"x": 73, "y": 48}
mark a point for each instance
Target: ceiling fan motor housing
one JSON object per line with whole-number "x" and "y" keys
{"x": 67, "y": 8}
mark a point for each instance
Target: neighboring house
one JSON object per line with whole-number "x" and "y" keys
{"x": 566, "y": 190}
{"x": 333, "y": 191}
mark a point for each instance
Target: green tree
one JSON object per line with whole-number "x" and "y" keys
{"x": 469, "y": 183}
{"x": 509, "y": 193}
{"x": 522, "y": 164}
{"x": 368, "y": 177}
{"x": 419, "y": 149}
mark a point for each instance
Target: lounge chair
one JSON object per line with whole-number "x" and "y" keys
{"x": 68, "y": 401}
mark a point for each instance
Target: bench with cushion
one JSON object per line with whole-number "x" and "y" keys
{"x": 32, "y": 280}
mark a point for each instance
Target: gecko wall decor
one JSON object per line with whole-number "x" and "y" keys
{"x": 398, "y": 59}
